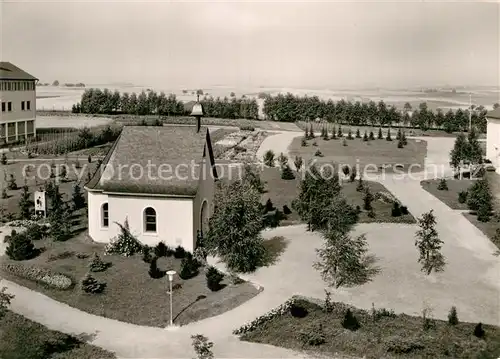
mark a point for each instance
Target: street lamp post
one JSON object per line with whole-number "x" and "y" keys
{"x": 171, "y": 274}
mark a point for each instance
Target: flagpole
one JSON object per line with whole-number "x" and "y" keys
{"x": 470, "y": 112}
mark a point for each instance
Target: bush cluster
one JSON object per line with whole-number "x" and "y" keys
{"x": 39, "y": 275}
{"x": 350, "y": 321}
{"x": 154, "y": 272}
{"x": 214, "y": 279}
{"x": 401, "y": 345}
{"x": 20, "y": 247}
{"x": 125, "y": 243}
{"x": 276, "y": 312}
{"x": 180, "y": 253}
{"x": 312, "y": 336}
{"x": 462, "y": 196}
{"x": 96, "y": 264}
{"x": 189, "y": 267}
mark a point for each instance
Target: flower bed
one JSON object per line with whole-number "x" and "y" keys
{"x": 276, "y": 312}
{"x": 36, "y": 274}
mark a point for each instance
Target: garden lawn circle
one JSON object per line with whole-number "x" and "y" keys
{"x": 130, "y": 294}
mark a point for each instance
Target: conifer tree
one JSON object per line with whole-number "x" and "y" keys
{"x": 380, "y": 135}
{"x": 429, "y": 245}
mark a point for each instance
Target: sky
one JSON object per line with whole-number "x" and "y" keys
{"x": 245, "y": 44}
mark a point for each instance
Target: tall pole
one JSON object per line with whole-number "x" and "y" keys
{"x": 470, "y": 112}
{"x": 171, "y": 320}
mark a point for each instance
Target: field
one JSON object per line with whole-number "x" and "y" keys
{"x": 283, "y": 192}
{"x": 131, "y": 295}
{"x": 62, "y": 98}
{"x": 386, "y": 336}
{"x": 21, "y": 338}
{"x": 359, "y": 153}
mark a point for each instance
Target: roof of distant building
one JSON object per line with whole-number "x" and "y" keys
{"x": 9, "y": 71}
{"x": 154, "y": 160}
{"x": 494, "y": 113}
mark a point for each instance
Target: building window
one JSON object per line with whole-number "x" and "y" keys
{"x": 28, "y": 105}
{"x": 3, "y": 106}
{"x": 22, "y": 105}
{"x": 9, "y": 106}
{"x": 105, "y": 215}
{"x": 149, "y": 220}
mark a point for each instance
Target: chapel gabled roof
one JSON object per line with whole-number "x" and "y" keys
{"x": 154, "y": 160}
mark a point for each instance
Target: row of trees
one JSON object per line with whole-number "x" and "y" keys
{"x": 97, "y": 101}
{"x": 290, "y": 108}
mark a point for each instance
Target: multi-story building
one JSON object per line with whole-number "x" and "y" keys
{"x": 18, "y": 101}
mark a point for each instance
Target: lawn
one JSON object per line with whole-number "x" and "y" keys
{"x": 283, "y": 192}
{"x": 374, "y": 153}
{"x": 20, "y": 338}
{"x": 317, "y": 126}
{"x": 39, "y": 172}
{"x": 450, "y": 198}
{"x": 131, "y": 295}
{"x": 388, "y": 336}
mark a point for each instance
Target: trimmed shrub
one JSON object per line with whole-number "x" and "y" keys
{"x": 287, "y": 173}
{"x": 146, "y": 254}
{"x": 298, "y": 311}
{"x": 462, "y": 196}
{"x": 312, "y": 336}
{"x": 353, "y": 174}
{"x": 35, "y": 231}
{"x": 247, "y": 128}
{"x": 404, "y": 210}
{"x": 214, "y": 277}
{"x": 154, "y": 272}
{"x": 443, "y": 185}
{"x": 161, "y": 250}
{"x": 452, "y": 316}
{"x": 479, "y": 331}
{"x": 39, "y": 275}
{"x": 180, "y": 252}
{"x": 96, "y": 264}
{"x": 286, "y": 210}
{"x": 298, "y": 162}
{"x": 303, "y": 142}
{"x": 346, "y": 170}
{"x": 350, "y": 321}
{"x": 189, "y": 267}
{"x": 388, "y": 137}
{"x": 400, "y": 345}
{"x": 90, "y": 285}
{"x": 318, "y": 153}
{"x": 371, "y": 136}
{"x": 269, "y": 206}
{"x": 20, "y": 247}
{"x": 396, "y": 210}
{"x": 349, "y": 135}
{"x": 269, "y": 158}
{"x": 380, "y": 135}
{"x": 328, "y": 306}
{"x": 358, "y": 134}
{"x": 365, "y": 136}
